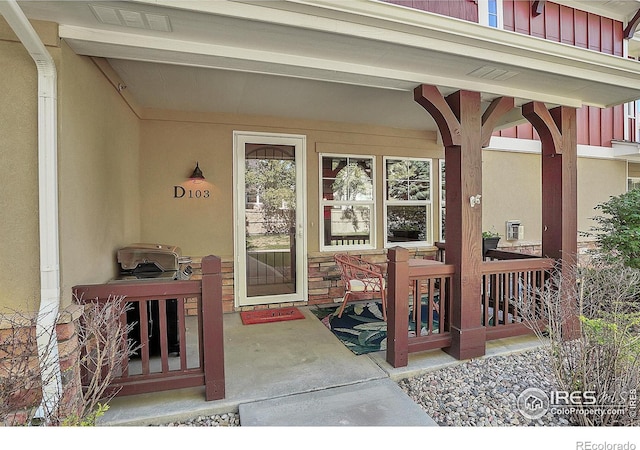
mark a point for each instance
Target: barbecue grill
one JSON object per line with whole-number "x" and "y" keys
{"x": 153, "y": 262}
{"x": 157, "y": 262}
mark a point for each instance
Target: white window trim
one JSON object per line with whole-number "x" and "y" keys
{"x": 633, "y": 179}
{"x": 483, "y": 13}
{"x": 428, "y": 204}
{"x": 322, "y": 203}
{"x": 632, "y": 115}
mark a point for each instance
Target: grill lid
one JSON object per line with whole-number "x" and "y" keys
{"x": 147, "y": 256}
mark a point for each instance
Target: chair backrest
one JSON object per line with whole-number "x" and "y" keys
{"x": 356, "y": 268}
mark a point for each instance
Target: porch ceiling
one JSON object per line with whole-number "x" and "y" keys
{"x": 355, "y": 61}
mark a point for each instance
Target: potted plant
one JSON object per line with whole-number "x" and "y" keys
{"x": 490, "y": 241}
{"x": 406, "y": 231}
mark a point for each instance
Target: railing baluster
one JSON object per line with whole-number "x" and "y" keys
{"x": 164, "y": 342}
{"x": 144, "y": 335}
{"x": 431, "y": 286}
{"x": 418, "y": 307}
{"x": 124, "y": 345}
{"x": 485, "y": 300}
{"x": 182, "y": 334}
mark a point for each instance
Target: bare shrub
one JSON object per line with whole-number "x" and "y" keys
{"x": 105, "y": 350}
{"x": 101, "y": 348}
{"x": 603, "y": 356}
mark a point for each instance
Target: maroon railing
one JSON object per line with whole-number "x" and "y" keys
{"x": 511, "y": 290}
{"x": 155, "y": 309}
{"x": 419, "y": 305}
{"x": 511, "y": 294}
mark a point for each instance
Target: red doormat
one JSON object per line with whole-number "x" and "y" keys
{"x": 270, "y": 315}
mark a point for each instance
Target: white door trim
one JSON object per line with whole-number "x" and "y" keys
{"x": 240, "y": 138}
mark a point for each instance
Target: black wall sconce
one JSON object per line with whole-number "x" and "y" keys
{"x": 196, "y": 176}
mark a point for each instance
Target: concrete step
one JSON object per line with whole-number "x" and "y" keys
{"x": 370, "y": 403}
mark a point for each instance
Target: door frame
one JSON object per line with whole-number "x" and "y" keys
{"x": 240, "y": 138}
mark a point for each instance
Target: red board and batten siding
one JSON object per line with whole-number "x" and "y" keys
{"x": 460, "y": 9}
{"x": 571, "y": 26}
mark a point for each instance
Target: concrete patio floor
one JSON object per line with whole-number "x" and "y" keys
{"x": 298, "y": 373}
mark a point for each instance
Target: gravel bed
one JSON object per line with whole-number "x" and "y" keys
{"x": 217, "y": 420}
{"x": 483, "y": 392}
{"x": 479, "y": 392}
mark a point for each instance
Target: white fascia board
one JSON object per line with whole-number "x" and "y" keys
{"x": 626, "y": 150}
{"x": 514, "y": 145}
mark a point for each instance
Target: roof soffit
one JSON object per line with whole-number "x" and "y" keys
{"x": 365, "y": 43}
{"x": 365, "y": 36}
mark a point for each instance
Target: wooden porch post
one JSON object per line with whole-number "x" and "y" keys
{"x": 398, "y": 307}
{"x": 558, "y": 135}
{"x": 212, "y": 328}
{"x": 459, "y": 120}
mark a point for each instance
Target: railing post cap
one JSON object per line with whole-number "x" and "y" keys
{"x": 211, "y": 264}
{"x": 398, "y": 254}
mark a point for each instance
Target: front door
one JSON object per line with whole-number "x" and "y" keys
{"x": 270, "y": 264}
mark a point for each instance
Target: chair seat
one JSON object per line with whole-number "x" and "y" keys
{"x": 365, "y": 285}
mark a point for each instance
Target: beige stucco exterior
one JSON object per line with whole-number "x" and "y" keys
{"x": 512, "y": 190}
{"x": 118, "y": 166}
{"x": 172, "y": 142}
{"x": 598, "y": 181}
{"x": 19, "y": 175}
{"x": 97, "y": 170}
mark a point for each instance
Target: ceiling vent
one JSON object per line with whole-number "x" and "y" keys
{"x": 131, "y": 19}
{"x": 492, "y": 73}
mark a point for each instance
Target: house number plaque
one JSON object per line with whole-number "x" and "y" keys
{"x": 180, "y": 192}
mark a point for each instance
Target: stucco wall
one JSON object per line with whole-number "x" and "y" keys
{"x": 512, "y": 190}
{"x": 598, "y": 181}
{"x": 19, "y": 264}
{"x": 98, "y": 165}
{"x": 172, "y": 142}
{"x": 97, "y": 168}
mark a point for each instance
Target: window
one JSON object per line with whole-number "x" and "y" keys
{"x": 633, "y": 183}
{"x": 408, "y": 207}
{"x": 348, "y": 202}
{"x": 490, "y": 13}
{"x": 632, "y": 122}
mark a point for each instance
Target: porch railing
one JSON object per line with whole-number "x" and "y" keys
{"x": 511, "y": 287}
{"x": 511, "y": 292}
{"x": 157, "y": 313}
{"x": 419, "y": 306}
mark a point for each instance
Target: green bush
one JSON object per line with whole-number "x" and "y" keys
{"x": 618, "y": 229}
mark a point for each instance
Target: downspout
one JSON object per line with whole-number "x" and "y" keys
{"x": 48, "y": 204}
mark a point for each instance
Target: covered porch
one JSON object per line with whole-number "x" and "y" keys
{"x": 294, "y": 359}
{"x": 187, "y": 92}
